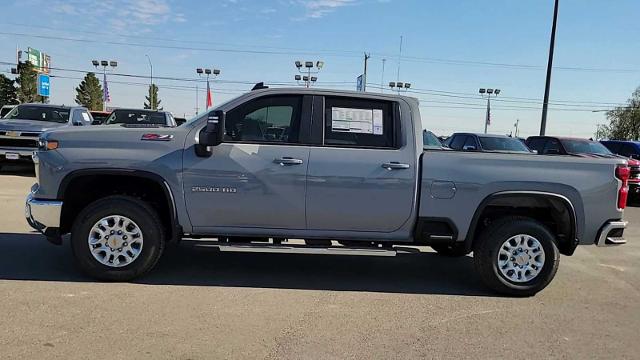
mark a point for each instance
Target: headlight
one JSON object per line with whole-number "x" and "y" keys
{"x": 44, "y": 145}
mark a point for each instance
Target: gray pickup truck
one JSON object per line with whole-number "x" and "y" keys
{"x": 345, "y": 171}
{"x": 23, "y": 125}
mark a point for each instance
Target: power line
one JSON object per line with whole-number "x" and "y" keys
{"x": 325, "y": 52}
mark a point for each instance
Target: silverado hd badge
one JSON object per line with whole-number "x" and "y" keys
{"x": 214, "y": 189}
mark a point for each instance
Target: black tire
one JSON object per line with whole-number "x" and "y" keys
{"x": 142, "y": 214}
{"x": 450, "y": 250}
{"x": 486, "y": 248}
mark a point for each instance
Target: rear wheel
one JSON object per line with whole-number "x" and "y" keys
{"x": 516, "y": 256}
{"x": 117, "y": 238}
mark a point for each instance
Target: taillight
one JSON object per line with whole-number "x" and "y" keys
{"x": 622, "y": 173}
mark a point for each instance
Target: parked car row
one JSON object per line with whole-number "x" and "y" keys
{"x": 548, "y": 145}
{"x": 23, "y": 124}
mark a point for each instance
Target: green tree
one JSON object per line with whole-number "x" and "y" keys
{"x": 8, "y": 91}
{"x": 28, "y": 84}
{"x": 89, "y": 92}
{"x": 152, "y": 100}
{"x": 624, "y": 121}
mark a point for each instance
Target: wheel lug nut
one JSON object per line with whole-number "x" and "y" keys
{"x": 124, "y": 237}
{"x": 120, "y": 249}
{"x": 125, "y": 244}
{"x": 112, "y": 232}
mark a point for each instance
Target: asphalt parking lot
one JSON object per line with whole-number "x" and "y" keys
{"x": 201, "y": 304}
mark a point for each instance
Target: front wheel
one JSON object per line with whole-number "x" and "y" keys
{"x": 516, "y": 256}
{"x": 117, "y": 238}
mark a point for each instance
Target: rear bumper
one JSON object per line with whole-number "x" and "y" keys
{"x": 612, "y": 233}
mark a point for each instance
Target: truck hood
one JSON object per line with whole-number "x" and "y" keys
{"x": 29, "y": 125}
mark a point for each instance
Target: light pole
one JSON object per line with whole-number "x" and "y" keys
{"x": 488, "y": 92}
{"x": 547, "y": 86}
{"x": 207, "y": 72}
{"x": 399, "y": 85}
{"x": 105, "y": 90}
{"x": 153, "y": 103}
{"x": 305, "y": 68}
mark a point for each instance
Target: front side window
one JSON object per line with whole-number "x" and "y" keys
{"x": 552, "y": 147}
{"x": 536, "y": 144}
{"x": 458, "y": 142}
{"x": 268, "y": 120}
{"x": 39, "y": 113}
{"x": 359, "y": 123}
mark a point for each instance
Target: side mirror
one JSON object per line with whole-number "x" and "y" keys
{"x": 77, "y": 123}
{"x": 212, "y": 134}
{"x": 469, "y": 148}
{"x": 534, "y": 151}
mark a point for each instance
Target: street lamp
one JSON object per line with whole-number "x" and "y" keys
{"x": 488, "y": 92}
{"x": 399, "y": 85}
{"x": 305, "y": 68}
{"x": 105, "y": 91}
{"x": 208, "y": 72}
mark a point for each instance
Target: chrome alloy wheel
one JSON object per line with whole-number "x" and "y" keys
{"x": 521, "y": 258}
{"x": 115, "y": 241}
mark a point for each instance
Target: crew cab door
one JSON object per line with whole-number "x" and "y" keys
{"x": 256, "y": 177}
{"x": 362, "y": 176}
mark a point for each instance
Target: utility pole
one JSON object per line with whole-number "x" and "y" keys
{"x": 382, "y": 77}
{"x": 364, "y": 80}
{"x": 545, "y": 104}
{"x": 399, "y": 58}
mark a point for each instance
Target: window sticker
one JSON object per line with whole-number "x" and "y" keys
{"x": 85, "y": 116}
{"x": 362, "y": 121}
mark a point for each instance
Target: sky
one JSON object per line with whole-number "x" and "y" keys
{"x": 450, "y": 49}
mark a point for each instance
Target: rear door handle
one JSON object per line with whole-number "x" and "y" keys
{"x": 394, "y": 165}
{"x": 286, "y": 161}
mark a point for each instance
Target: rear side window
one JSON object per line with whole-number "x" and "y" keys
{"x": 359, "y": 123}
{"x": 627, "y": 150}
{"x": 458, "y": 142}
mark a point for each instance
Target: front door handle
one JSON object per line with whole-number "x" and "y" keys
{"x": 394, "y": 165}
{"x": 286, "y": 161}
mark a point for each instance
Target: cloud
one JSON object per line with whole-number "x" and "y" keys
{"x": 318, "y": 8}
{"x": 121, "y": 14}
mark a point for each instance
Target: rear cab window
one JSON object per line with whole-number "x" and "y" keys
{"x": 362, "y": 123}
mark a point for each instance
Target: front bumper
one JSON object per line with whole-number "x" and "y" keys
{"x": 24, "y": 154}
{"x": 612, "y": 233}
{"x": 43, "y": 215}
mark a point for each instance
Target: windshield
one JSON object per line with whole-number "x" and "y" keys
{"x": 430, "y": 140}
{"x": 136, "y": 117}
{"x": 39, "y": 113}
{"x": 502, "y": 144}
{"x": 585, "y": 147}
